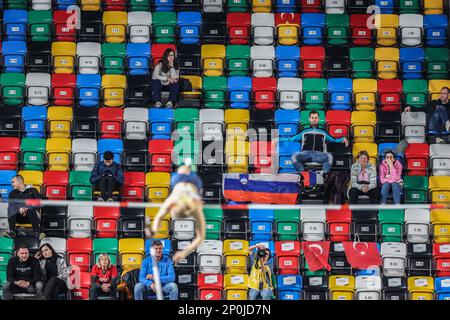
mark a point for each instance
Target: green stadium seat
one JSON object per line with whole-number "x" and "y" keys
{"x": 391, "y": 224}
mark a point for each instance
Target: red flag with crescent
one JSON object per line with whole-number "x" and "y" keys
{"x": 362, "y": 255}
{"x": 316, "y": 254}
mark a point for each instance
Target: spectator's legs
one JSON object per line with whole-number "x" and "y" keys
{"x": 385, "y": 192}
{"x": 174, "y": 89}
{"x": 103, "y": 185}
{"x": 324, "y": 158}
{"x": 34, "y": 220}
{"x": 38, "y": 289}
{"x": 113, "y": 292}
{"x": 110, "y": 186}
{"x": 253, "y": 294}
{"x": 50, "y": 288}
{"x": 353, "y": 194}
{"x": 12, "y": 218}
{"x": 396, "y": 192}
{"x": 156, "y": 88}
{"x": 438, "y": 120}
{"x": 266, "y": 294}
{"x": 139, "y": 290}
{"x": 93, "y": 293}
{"x": 373, "y": 195}
{"x": 7, "y": 294}
{"x": 299, "y": 158}
{"x": 172, "y": 290}
{"x": 60, "y": 288}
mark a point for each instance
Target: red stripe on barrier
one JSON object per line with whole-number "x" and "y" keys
{"x": 33, "y": 202}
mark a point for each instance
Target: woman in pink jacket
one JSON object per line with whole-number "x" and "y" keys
{"x": 390, "y": 173}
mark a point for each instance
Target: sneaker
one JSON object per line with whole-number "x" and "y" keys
{"x": 10, "y": 234}
{"x": 100, "y": 199}
{"x": 158, "y": 105}
{"x": 110, "y": 200}
{"x": 447, "y": 125}
{"x": 169, "y": 105}
{"x": 440, "y": 140}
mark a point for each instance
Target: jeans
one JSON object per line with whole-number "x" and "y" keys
{"x": 396, "y": 192}
{"x": 438, "y": 120}
{"x": 266, "y": 294}
{"x": 354, "y": 194}
{"x": 107, "y": 185}
{"x": 53, "y": 288}
{"x": 140, "y": 289}
{"x": 173, "y": 88}
{"x": 324, "y": 158}
{"x": 95, "y": 292}
{"x": 31, "y": 216}
{"x": 9, "y": 289}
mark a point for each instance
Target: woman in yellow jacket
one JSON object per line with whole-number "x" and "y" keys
{"x": 261, "y": 280}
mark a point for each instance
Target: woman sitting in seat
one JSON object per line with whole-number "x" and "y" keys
{"x": 391, "y": 177}
{"x": 165, "y": 77}
{"x": 104, "y": 278}
{"x": 363, "y": 179}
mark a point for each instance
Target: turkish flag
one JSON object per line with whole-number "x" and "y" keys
{"x": 362, "y": 255}
{"x": 316, "y": 254}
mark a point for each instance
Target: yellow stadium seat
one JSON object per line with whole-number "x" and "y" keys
{"x": 421, "y": 288}
{"x": 261, "y": 6}
{"x": 386, "y": 26}
{"x": 236, "y": 122}
{"x": 197, "y": 85}
{"x": 288, "y": 34}
{"x": 34, "y": 178}
{"x": 113, "y": 87}
{"x": 439, "y": 187}
{"x": 164, "y": 226}
{"x": 115, "y": 24}
{"x": 213, "y": 57}
{"x": 236, "y": 256}
{"x": 433, "y": 6}
{"x": 236, "y": 286}
{"x": 131, "y": 252}
{"x": 60, "y": 121}
{"x": 435, "y": 86}
{"x": 365, "y": 94}
{"x": 157, "y": 185}
{"x": 63, "y": 55}
{"x": 91, "y": 5}
{"x": 387, "y": 60}
{"x": 237, "y": 152}
{"x": 371, "y": 148}
{"x": 363, "y": 124}
{"x": 440, "y": 220}
{"x": 342, "y": 287}
{"x": 58, "y": 154}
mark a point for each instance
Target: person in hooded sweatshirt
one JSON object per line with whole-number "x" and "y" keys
{"x": 18, "y": 211}
{"x": 23, "y": 275}
{"x": 107, "y": 175}
{"x": 390, "y": 173}
{"x": 54, "y": 272}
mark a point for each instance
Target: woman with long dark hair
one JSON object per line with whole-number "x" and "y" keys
{"x": 165, "y": 77}
{"x": 391, "y": 177}
{"x": 54, "y": 272}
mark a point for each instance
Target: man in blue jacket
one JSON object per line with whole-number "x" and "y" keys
{"x": 166, "y": 275}
{"x": 108, "y": 175}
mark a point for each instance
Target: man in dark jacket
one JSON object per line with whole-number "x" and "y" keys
{"x": 108, "y": 175}
{"x": 23, "y": 275}
{"x": 18, "y": 211}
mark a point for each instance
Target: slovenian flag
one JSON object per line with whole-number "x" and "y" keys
{"x": 261, "y": 188}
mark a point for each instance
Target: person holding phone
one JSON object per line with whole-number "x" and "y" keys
{"x": 107, "y": 175}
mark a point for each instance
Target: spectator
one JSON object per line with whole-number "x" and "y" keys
{"x": 166, "y": 274}
{"x": 261, "y": 280}
{"x": 104, "y": 278}
{"x": 23, "y": 275}
{"x": 363, "y": 179}
{"x": 108, "y": 175}
{"x": 18, "y": 211}
{"x": 54, "y": 272}
{"x": 165, "y": 76}
{"x": 314, "y": 147}
{"x": 391, "y": 177}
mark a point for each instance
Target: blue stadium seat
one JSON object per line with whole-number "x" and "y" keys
{"x": 383, "y": 147}
{"x": 289, "y": 287}
{"x": 442, "y": 288}
{"x": 287, "y": 60}
{"x": 287, "y": 122}
{"x": 435, "y": 26}
{"x": 167, "y": 246}
{"x": 64, "y": 4}
{"x": 313, "y": 28}
{"x": 261, "y": 221}
{"x": 138, "y": 58}
{"x": 113, "y": 145}
{"x": 15, "y": 24}
{"x": 5, "y": 183}
{"x": 285, "y": 151}
{"x": 386, "y": 6}
{"x": 239, "y": 92}
{"x": 286, "y": 6}
{"x": 34, "y": 120}
{"x": 268, "y": 244}
{"x": 412, "y": 62}
{"x": 189, "y": 24}
{"x": 161, "y": 121}
{"x": 340, "y": 92}
{"x": 164, "y": 5}
{"x": 14, "y": 53}
{"x": 88, "y": 88}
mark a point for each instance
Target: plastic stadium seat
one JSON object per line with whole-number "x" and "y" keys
{"x": 338, "y": 123}
{"x": 417, "y": 155}
{"x": 338, "y": 29}
{"x": 261, "y": 154}
{"x": 212, "y": 6}
{"x": 371, "y": 148}
{"x": 417, "y": 225}
{"x": 89, "y": 56}
{"x": 138, "y": 58}
{"x": 440, "y": 159}
{"x": 33, "y": 153}
{"x": 113, "y": 58}
{"x": 189, "y": 24}
{"x": 5, "y": 183}
{"x": 416, "y": 189}
{"x": 237, "y": 155}
{"x": 84, "y": 154}
{"x": 263, "y": 28}
{"x": 287, "y": 257}
{"x": 387, "y": 60}
{"x": 115, "y": 5}
{"x": 13, "y": 55}
{"x": 63, "y": 30}
{"x": 238, "y": 27}
{"x": 139, "y": 26}
{"x": 133, "y": 186}
{"x": 213, "y": 217}
{"x": 160, "y": 155}
{"x": 110, "y": 121}
{"x": 433, "y": 7}
{"x": 214, "y": 92}
{"x": 39, "y": 57}
{"x": 235, "y": 286}
{"x": 210, "y": 286}
{"x": 9, "y": 153}
{"x": 58, "y": 153}
{"x": 115, "y": 24}
{"x": 214, "y": 28}
{"x": 185, "y": 119}
{"x": 341, "y": 287}
{"x": 235, "y": 256}
{"x": 239, "y": 92}
{"x": 334, "y": 7}
{"x": 287, "y": 61}
{"x": 38, "y": 88}
{"x": 313, "y": 28}
{"x": 261, "y": 124}
{"x": 440, "y": 220}
{"x": 287, "y": 224}
{"x": 420, "y": 259}
{"x": 41, "y": 4}
{"x": 55, "y": 185}
{"x": 237, "y": 6}
{"x": 212, "y": 122}
{"x": 415, "y": 92}
{"x": 441, "y": 258}
{"x": 264, "y": 93}
{"x": 337, "y": 62}
{"x": 361, "y": 35}
{"x": 411, "y": 29}
{"x": 435, "y": 30}
{"x": 160, "y": 123}
{"x": 138, "y": 91}
{"x": 438, "y": 188}
{"x": 188, "y": 5}
{"x": 80, "y": 221}
{"x": 289, "y": 93}
{"x": 364, "y": 91}
{"x": 386, "y": 6}
{"x": 412, "y": 63}
{"x": 313, "y": 224}
{"x": 106, "y": 221}
{"x": 441, "y": 288}
{"x": 63, "y": 54}
{"x": 236, "y": 122}
{"x": 435, "y": 86}
{"x": 213, "y": 58}
{"x": 391, "y": 224}
{"x": 164, "y": 27}
{"x": 80, "y": 187}
{"x": 421, "y": 288}
{"x": 362, "y": 62}
{"x": 135, "y": 154}
{"x": 135, "y": 123}
{"x": 312, "y": 6}
{"x": 113, "y": 87}
{"x": 287, "y": 28}
{"x": 312, "y": 60}
{"x": 314, "y": 93}
{"x": 88, "y": 90}
{"x": 237, "y": 60}
{"x": 390, "y": 95}
{"x": 113, "y": 145}
{"x": 34, "y": 121}
{"x": 79, "y": 253}
{"x": 39, "y": 24}
{"x": 285, "y": 151}
{"x": 131, "y": 223}
{"x": 386, "y": 29}
{"x": 437, "y": 63}
{"x": 59, "y": 121}
{"x": 340, "y": 93}
{"x": 109, "y": 246}
{"x": 339, "y": 222}
{"x": 90, "y": 5}
{"x": 157, "y": 186}
{"x": 15, "y": 24}
{"x": 85, "y": 122}
{"x": 92, "y": 28}
{"x": 63, "y": 87}
{"x": 368, "y": 287}
{"x": 12, "y": 88}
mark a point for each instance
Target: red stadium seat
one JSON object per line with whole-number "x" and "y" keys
{"x": 238, "y": 27}
{"x": 133, "y": 186}
{"x": 311, "y": 6}
{"x": 9, "y": 153}
{"x": 417, "y": 158}
{"x": 261, "y": 156}
{"x": 111, "y": 120}
{"x": 390, "y": 94}
{"x": 64, "y": 31}
{"x": 158, "y": 51}
{"x": 338, "y": 122}
{"x": 160, "y": 153}
{"x": 63, "y": 86}
{"x": 106, "y": 221}
{"x": 264, "y": 93}
{"x": 361, "y": 35}
{"x": 55, "y": 184}
{"x": 80, "y": 292}
{"x": 79, "y": 251}
{"x": 441, "y": 256}
{"x": 339, "y": 222}
{"x": 312, "y": 59}
{"x": 115, "y": 5}
{"x": 287, "y": 254}
{"x": 210, "y": 286}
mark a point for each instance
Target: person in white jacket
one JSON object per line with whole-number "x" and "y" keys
{"x": 165, "y": 77}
